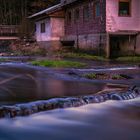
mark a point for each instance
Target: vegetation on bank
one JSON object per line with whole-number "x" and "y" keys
{"x": 58, "y": 64}
{"x": 129, "y": 59}
{"x": 106, "y": 76}
{"x": 3, "y": 59}
{"x": 82, "y": 56}
{"x": 26, "y": 48}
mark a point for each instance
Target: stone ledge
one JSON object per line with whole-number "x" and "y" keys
{"x": 44, "y": 105}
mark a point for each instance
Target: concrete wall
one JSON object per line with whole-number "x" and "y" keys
{"x": 138, "y": 44}
{"x": 93, "y": 43}
{"x": 122, "y": 45}
{"x": 43, "y": 36}
{"x": 54, "y": 31}
{"x": 57, "y": 28}
{"x": 115, "y": 23}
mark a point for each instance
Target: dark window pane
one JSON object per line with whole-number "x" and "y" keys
{"x": 97, "y": 9}
{"x": 42, "y": 27}
{"x": 124, "y": 8}
{"x": 76, "y": 14}
{"x": 86, "y": 12}
{"x": 69, "y": 17}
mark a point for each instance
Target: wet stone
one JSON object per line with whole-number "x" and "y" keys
{"x": 11, "y": 111}
{"x": 65, "y": 103}
{"x": 89, "y": 99}
{"x": 44, "y": 105}
{"x": 116, "y": 97}
{"x": 72, "y": 73}
{"x": 1, "y": 112}
{"x": 130, "y": 95}
{"x": 97, "y": 99}
{"x": 40, "y": 105}
{"x": 101, "y": 98}
{"x": 137, "y": 90}
{"x": 106, "y": 96}
{"x": 25, "y": 109}
{"x": 76, "y": 102}
{"x": 132, "y": 88}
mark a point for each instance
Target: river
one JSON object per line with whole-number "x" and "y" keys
{"x": 105, "y": 121}
{"x": 111, "y": 120}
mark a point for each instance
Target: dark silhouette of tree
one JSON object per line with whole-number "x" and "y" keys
{"x": 12, "y": 12}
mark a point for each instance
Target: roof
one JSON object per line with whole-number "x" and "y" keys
{"x": 66, "y": 2}
{"x": 47, "y": 11}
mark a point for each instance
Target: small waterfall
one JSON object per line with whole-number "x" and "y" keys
{"x": 38, "y": 106}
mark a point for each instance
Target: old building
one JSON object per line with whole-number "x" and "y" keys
{"x": 104, "y": 27}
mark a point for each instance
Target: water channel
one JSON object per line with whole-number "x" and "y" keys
{"x": 20, "y": 82}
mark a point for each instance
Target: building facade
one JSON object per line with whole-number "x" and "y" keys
{"x": 103, "y": 27}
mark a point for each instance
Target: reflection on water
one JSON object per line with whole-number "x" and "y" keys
{"x": 105, "y": 121}
{"x": 21, "y": 83}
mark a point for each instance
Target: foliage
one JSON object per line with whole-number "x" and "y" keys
{"x": 83, "y": 56}
{"x": 117, "y": 77}
{"x": 12, "y": 12}
{"x": 129, "y": 58}
{"x": 28, "y": 48}
{"x": 90, "y": 76}
{"x": 105, "y": 76}
{"x": 58, "y": 63}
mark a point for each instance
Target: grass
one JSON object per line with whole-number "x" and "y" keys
{"x": 129, "y": 59}
{"x": 3, "y": 59}
{"x": 83, "y": 56}
{"x": 90, "y": 76}
{"x": 117, "y": 77}
{"x": 58, "y": 64}
{"x": 105, "y": 76}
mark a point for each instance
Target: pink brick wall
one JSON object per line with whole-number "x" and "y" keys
{"x": 92, "y": 25}
{"x": 115, "y": 23}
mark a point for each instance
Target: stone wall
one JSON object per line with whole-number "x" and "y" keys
{"x": 50, "y": 46}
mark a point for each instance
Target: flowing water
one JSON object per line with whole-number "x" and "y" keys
{"x": 105, "y": 121}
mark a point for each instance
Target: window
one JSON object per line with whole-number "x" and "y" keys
{"x": 97, "y": 9}
{"x": 86, "y": 12}
{"x": 124, "y": 7}
{"x": 42, "y": 27}
{"x": 76, "y": 15}
{"x": 69, "y": 17}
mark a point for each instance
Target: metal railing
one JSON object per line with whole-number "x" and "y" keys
{"x": 9, "y": 30}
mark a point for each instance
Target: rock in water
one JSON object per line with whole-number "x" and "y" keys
{"x": 116, "y": 97}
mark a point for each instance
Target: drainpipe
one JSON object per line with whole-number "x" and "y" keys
{"x": 77, "y": 37}
{"x": 135, "y": 44}
{"x": 108, "y": 46}
{"x": 100, "y": 44}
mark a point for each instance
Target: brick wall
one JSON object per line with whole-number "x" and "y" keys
{"x": 89, "y": 26}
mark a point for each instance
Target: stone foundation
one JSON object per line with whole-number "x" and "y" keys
{"x": 50, "y": 45}
{"x": 94, "y": 43}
